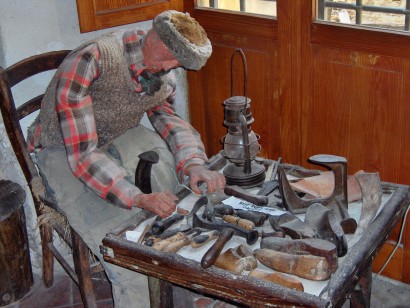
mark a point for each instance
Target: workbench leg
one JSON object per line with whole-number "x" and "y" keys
{"x": 360, "y": 297}
{"x": 160, "y": 293}
{"x": 81, "y": 256}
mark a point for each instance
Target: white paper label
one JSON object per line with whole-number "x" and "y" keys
{"x": 132, "y": 235}
{"x": 239, "y": 204}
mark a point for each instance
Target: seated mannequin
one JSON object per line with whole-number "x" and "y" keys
{"x": 87, "y": 136}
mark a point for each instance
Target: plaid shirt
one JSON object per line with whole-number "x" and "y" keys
{"x": 74, "y": 106}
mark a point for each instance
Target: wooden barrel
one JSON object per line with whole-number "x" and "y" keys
{"x": 16, "y": 276}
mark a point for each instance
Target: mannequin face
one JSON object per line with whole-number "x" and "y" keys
{"x": 157, "y": 56}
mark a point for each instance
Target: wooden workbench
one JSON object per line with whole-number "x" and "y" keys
{"x": 351, "y": 280}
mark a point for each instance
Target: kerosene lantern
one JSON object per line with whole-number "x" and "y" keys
{"x": 240, "y": 143}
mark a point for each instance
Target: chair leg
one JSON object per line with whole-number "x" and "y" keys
{"x": 46, "y": 233}
{"x": 81, "y": 258}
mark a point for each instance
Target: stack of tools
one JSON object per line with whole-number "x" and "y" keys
{"x": 283, "y": 243}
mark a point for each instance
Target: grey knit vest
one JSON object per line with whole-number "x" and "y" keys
{"x": 116, "y": 106}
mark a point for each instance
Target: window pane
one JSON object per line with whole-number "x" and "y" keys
{"x": 261, "y": 7}
{"x": 385, "y": 14}
{"x": 382, "y": 20}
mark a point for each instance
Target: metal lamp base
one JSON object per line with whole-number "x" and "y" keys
{"x": 235, "y": 175}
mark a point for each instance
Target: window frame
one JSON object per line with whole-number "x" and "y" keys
{"x": 91, "y": 19}
{"x": 359, "y": 8}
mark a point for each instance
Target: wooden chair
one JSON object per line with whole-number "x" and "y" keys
{"x": 83, "y": 269}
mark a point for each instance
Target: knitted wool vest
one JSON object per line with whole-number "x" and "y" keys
{"x": 116, "y": 106}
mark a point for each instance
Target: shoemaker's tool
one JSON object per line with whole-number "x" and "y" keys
{"x": 149, "y": 158}
{"x": 143, "y": 171}
{"x": 160, "y": 226}
{"x": 243, "y": 223}
{"x": 320, "y": 222}
{"x": 210, "y": 256}
{"x": 239, "y": 192}
{"x": 210, "y": 213}
{"x": 223, "y": 209}
{"x": 166, "y": 234}
{"x": 203, "y": 238}
{"x": 237, "y": 260}
{"x": 371, "y": 198}
{"x": 292, "y": 225}
{"x": 176, "y": 242}
{"x": 278, "y": 278}
{"x": 270, "y": 183}
{"x": 309, "y": 246}
{"x": 143, "y": 234}
{"x": 151, "y": 239}
{"x": 264, "y": 234}
{"x": 203, "y": 200}
{"x": 218, "y": 224}
{"x": 305, "y": 266}
{"x": 257, "y": 218}
{"x": 199, "y": 238}
{"x": 327, "y": 226}
{"x": 337, "y": 201}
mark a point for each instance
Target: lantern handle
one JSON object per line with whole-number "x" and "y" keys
{"x": 245, "y": 72}
{"x": 247, "y": 169}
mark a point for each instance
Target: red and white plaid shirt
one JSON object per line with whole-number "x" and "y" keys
{"x": 75, "y": 112}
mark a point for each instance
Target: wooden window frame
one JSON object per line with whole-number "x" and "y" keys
{"x": 91, "y": 19}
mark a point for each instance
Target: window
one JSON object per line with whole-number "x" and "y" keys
{"x": 261, "y": 7}
{"x": 385, "y": 14}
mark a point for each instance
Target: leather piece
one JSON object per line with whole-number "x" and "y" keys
{"x": 321, "y": 186}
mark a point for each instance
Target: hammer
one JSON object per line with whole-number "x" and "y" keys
{"x": 227, "y": 231}
{"x": 218, "y": 224}
{"x": 212, "y": 254}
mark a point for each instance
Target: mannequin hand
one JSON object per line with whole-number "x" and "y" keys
{"x": 161, "y": 203}
{"x": 213, "y": 179}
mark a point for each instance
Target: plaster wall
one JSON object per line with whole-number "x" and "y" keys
{"x": 29, "y": 27}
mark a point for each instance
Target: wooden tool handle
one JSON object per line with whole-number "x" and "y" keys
{"x": 236, "y": 191}
{"x": 161, "y": 225}
{"x": 162, "y": 244}
{"x": 212, "y": 254}
{"x": 257, "y": 218}
{"x": 243, "y": 223}
{"x": 177, "y": 245}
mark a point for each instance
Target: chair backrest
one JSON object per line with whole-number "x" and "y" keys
{"x": 12, "y": 116}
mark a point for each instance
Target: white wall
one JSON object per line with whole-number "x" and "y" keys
{"x": 29, "y": 27}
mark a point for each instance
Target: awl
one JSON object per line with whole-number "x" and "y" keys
{"x": 271, "y": 184}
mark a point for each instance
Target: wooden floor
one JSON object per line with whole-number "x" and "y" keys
{"x": 386, "y": 293}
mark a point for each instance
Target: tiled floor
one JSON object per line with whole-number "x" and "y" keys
{"x": 386, "y": 293}
{"x": 64, "y": 293}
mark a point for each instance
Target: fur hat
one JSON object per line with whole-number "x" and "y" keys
{"x": 184, "y": 37}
